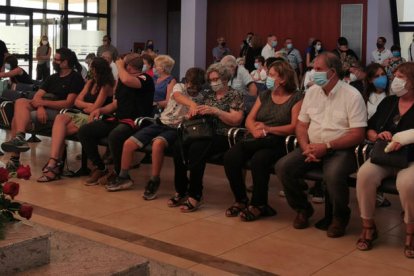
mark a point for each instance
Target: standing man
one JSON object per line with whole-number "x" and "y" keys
{"x": 411, "y": 51}
{"x": 381, "y": 53}
{"x": 3, "y": 52}
{"x": 220, "y": 50}
{"x": 107, "y": 46}
{"x": 294, "y": 57}
{"x": 269, "y": 49}
{"x": 331, "y": 122}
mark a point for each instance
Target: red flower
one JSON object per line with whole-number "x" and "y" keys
{"x": 26, "y": 211}
{"x": 23, "y": 172}
{"x": 11, "y": 189}
{"x": 4, "y": 175}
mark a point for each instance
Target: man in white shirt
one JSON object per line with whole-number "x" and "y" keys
{"x": 331, "y": 122}
{"x": 269, "y": 49}
{"x": 381, "y": 53}
{"x": 108, "y": 57}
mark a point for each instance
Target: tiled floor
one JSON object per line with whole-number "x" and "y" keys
{"x": 206, "y": 241}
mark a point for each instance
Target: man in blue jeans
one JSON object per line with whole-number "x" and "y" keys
{"x": 331, "y": 122}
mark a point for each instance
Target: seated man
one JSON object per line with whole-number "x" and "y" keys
{"x": 57, "y": 92}
{"x": 331, "y": 122}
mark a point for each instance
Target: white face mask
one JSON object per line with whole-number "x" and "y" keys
{"x": 7, "y": 66}
{"x": 398, "y": 87}
{"x": 44, "y": 42}
{"x": 352, "y": 77}
{"x": 216, "y": 86}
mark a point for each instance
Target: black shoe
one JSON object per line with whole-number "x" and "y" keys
{"x": 15, "y": 145}
{"x": 151, "y": 189}
{"x": 302, "y": 219}
{"x": 337, "y": 227}
{"x": 324, "y": 223}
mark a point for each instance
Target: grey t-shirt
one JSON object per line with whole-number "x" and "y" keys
{"x": 242, "y": 80}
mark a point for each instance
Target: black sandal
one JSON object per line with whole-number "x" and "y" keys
{"x": 56, "y": 170}
{"x": 176, "y": 200}
{"x": 188, "y": 207}
{"x": 235, "y": 209}
{"x": 364, "y": 244}
{"x": 409, "y": 248}
{"x": 252, "y": 213}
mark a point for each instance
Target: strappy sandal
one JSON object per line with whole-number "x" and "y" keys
{"x": 176, "y": 200}
{"x": 235, "y": 209}
{"x": 56, "y": 171}
{"x": 364, "y": 244}
{"x": 252, "y": 213}
{"x": 188, "y": 207}
{"x": 409, "y": 248}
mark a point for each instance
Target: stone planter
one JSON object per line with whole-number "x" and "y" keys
{"x": 23, "y": 248}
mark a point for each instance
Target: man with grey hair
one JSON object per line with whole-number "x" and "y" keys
{"x": 241, "y": 81}
{"x": 331, "y": 122}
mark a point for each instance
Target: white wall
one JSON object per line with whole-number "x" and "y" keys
{"x": 378, "y": 24}
{"x": 137, "y": 21}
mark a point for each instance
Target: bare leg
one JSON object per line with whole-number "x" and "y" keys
{"x": 21, "y": 119}
{"x": 409, "y": 241}
{"x": 158, "y": 147}
{"x": 128, "y": 153}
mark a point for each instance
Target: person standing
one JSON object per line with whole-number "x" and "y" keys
{"x": 3, "y": 52}
{"x": 381, "y": 53}
{"x": 43, "y": 53}
{"x": 107, "y": 46}
{"x": 411, "y": 51}
{"x": 220, "y": 50}
{"x": 269, "y": 49}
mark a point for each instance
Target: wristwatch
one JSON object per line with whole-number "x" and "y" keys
{"x": 329, "y": 148}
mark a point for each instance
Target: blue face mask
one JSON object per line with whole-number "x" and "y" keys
{"x": 320, "y": 78}
{"x": 381, "y": 82}
{"x": 396, "y": 53}
{"x": 289, "y": 46}
{"x": 256, "y": 65}
{"x": 270, "y": 83}
{"x": 144, "y": 68}
{"x": 274, "y": 44}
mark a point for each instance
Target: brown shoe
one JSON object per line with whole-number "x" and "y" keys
{"x": 94, "y": 176}
{"x": 107, "y": 178}
{"x": 337, "y": 227}
{"x": 302, "y": 219}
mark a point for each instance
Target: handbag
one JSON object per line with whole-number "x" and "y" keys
{"x": 199, "y": 128}
{"x": 397, "y": 159}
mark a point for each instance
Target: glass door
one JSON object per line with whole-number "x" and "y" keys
{"x": 17, "y": 32}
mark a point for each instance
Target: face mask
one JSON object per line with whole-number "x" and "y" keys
{"x": 380, "y": 45}
{"x": 352, "y": 77}
{"x": 216, "y": 86}
{"x": 144, "y": 68}
{"x": 7, "y": 66}
{"x": 270, "y": 83}
{"x": 289, "y": 46}
{"x": 381, "y": 82}
{"x": 398, "y": 87}
{"x": 56, "y": 67}
{"x": 274, "y": 44}
{"x": 44, "y": 42}
{"x": 320, "y": 78}
{"x": 396, "y": 53}
{"x": 318, "y": 47}
{"x": 223, "y": 44}
{"x": 155, "y": 72}
{"x": 256, "y": 65}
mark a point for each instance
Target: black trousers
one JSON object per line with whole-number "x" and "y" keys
{"x": 197, "y": 154}
{"x": 90, "y": 134}
{"x": 262, "y": 153}
{"x": 336, "y": 169}
{"x": 42, "y": 71}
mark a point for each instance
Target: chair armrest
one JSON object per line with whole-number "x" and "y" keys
{"x": 69, "y": 110}
{"x": 290, "y": 143}
{"x": 237, "y": 133}
{"x": 144, "y": 120}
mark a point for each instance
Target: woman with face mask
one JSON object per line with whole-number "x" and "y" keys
{"x": 14, "y": 72}
{"x": 392, "y": 122}
{"x": 272, "y": 118}
{"x": 163, "y": 80}
{"x": 392, "y": 63}
{"x": 315, "y": 50}
{"x": 43, "y": 53}
{"x": 225, "y": 106}
{"x": 259, "y": 75}
{"x": 377, "y": 87}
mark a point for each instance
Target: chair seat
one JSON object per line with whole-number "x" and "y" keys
{"x": 388, "y": 186}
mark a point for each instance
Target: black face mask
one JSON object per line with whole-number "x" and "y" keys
{"x": 380, "y": 45}
{"x": 56, "y": 67}
{"x": 223, "y": 44}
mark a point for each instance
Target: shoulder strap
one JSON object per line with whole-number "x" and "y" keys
{"x": 388, "y": 116}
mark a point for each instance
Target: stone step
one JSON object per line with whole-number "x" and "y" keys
{"x": 24, "y": 247}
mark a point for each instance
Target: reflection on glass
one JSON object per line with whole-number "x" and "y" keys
{"x": 56, "y": 5}
{"x": 405, "y": 10}
{"x": 84, "y": 42}
{"x": 37, "y": 4}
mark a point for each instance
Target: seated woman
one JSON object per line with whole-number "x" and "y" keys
{"x": 272, "y": 118}
{"x": 148, "y": 65}
{"x": 314, "y": 51}
{"x": 162, "y": 134}
{"x": 163, "y": 81}
{"x": 97, "y": 92}
{"x": 377, "y": 87}
{"x": 392, "y": 122}
{"x": 391, "y": 63}
{"x": 226, "y": 106}
{"x": 15, "y": 73}
{"x": 259, "y": 75}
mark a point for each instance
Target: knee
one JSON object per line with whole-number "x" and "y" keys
{"x": 61, "y": 119}
{"x": 158, "y": 145}
{"x": 282, "y": 167}
{"x": 130, "y": 146}
{"x": 405, "y": 186}
{"x": 22, "y": 103}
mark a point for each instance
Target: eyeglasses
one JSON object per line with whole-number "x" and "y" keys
{"x": 215, "y": 79}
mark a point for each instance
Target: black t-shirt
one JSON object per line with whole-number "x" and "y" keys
{"x": 3, "y": 50}
{"x": 62, "y": 87}
{"x": 135, "y": 102}
{"x": 23, "y": 78}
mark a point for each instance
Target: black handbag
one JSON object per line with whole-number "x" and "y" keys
{"x": 397, "y": 159}
{"x": 200, "y": 128}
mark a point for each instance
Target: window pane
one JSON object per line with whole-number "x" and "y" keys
{"x": 3, "y": 2}
{"x": 405, "y": 10}
{"x": 56, "y": 5}
{"x": 38, "y": 4}
{"x": 76, "y": 5}
{"x": 405, "y": 40}
{"x": 103, "y": 6}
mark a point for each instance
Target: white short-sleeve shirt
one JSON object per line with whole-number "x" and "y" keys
{"x": 268, "y": 51}
{"x": 242, "y": 80}
{"x": 330, "y": 117}
{"x": 379, "y": 57}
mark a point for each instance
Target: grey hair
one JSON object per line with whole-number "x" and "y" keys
{"x": 229, "y": 61}
{"x": 332, "y": 61}
{"x": 222, "y": 71}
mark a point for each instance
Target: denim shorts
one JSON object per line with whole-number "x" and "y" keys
{"x": 148, "y": 134}
{"x": 51, "y": 114}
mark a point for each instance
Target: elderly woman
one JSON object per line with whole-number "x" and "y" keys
{"x": 163, "y": 80}
{"x": 393, "y": 122}
{"x": 272, "y": 118}
{"x": 226, "y": 105}
{"x": 96, "y": 93}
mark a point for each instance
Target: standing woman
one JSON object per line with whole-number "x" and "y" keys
{"x": 43, "y": 53}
